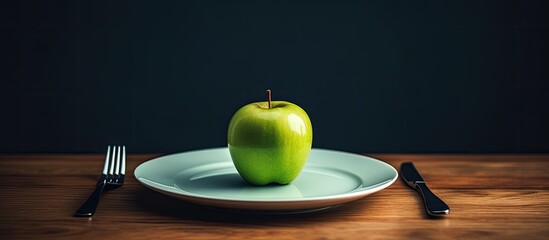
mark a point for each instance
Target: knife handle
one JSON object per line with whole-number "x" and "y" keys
{"x": 433, "y": 204}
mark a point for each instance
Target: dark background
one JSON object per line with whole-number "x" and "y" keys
{"x": 374, "y": 76}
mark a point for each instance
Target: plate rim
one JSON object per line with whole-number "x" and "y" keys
{"x": 352, "y": 195}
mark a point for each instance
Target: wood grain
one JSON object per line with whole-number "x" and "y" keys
{"x": 490, "y": 196}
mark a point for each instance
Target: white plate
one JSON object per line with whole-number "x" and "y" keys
{"x": 208, "y": 177}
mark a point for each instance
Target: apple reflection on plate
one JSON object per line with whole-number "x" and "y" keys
{"x": 271, "y": 191}
{"x": 269, "y": 142}
{"x": 221, "y": 180}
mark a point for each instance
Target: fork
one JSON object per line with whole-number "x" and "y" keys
{"x": 111, "y": 177}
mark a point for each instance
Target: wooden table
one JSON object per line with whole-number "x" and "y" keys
{"x": 490, "y": 196}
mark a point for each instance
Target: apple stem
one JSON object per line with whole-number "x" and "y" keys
{"x": 269, "y": 98}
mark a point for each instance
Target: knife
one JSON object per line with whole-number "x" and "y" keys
{"x": 433, "y": 204}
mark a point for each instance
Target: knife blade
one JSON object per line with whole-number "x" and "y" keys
{"x": 433, "y": 204}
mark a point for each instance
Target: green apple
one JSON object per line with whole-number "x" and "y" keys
{"x": 269, "y": 142}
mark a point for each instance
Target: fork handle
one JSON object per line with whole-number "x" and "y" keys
{"x": 88, "y": 208}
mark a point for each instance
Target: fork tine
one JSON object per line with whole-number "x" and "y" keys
{"x": 123, "y": 167}
{"x": 117, "y": 168}
{"x": 116, "y": 162}
{"x": 113, "y": 159}
{"x": 106, "y": 164}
